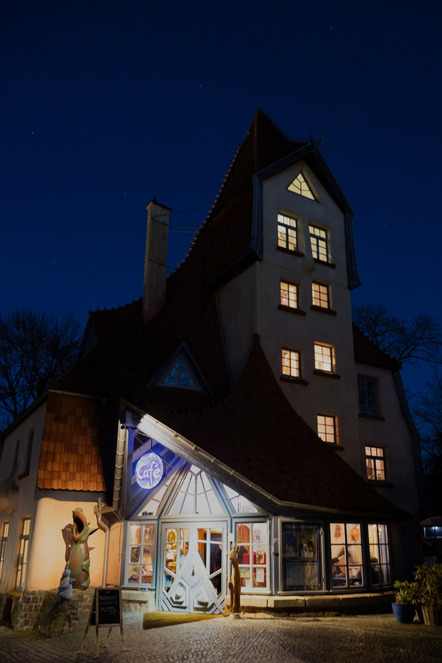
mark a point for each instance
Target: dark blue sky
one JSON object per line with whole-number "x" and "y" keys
{"x": 106, "y": 103}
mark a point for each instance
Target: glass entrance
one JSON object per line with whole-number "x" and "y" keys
{"x": 193, "y": 568}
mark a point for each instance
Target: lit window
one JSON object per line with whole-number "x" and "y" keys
{"x": 140, "y": 555}
{"x": 375, "y": 463}
{"x": 253, "y": 555}
{"x": 327, "y": 428}
{"x": 239, "y": 503}
{"x": 379, "y": 554}
{"x": 319, "y": 243}
{"x": 324, "y": 358}
{"x": 291, "y": 363}
{"x": 367, "y": 395}
{"x": 23, "y": 554}
{"x": 301, "y": 187}
{"x": 3, "y": 542}
{"x": 346, "y": 555}
{"x": 288, "y": 294}
{"x": 320, "y": 295}
{"x": 287, "y": 233}
{"x": 196, "y": 495}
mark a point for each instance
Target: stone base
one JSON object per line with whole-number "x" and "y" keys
{"x": 39, "y": 610}
{"x": 337, "y": 604}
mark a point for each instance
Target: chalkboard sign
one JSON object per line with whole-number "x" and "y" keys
{"x": 107, "y": 606}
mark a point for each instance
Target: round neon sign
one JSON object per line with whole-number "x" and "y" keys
{"x": 149, "y": 470}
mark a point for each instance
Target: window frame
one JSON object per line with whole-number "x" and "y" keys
{"x": 330, "y": 361}
{"x": 330, "y": 421}
{"x": 283, "y": 231}
{"x": 23, "y": 553}
{"x": 320, "y": 243}
{"x": 318, "y": 305}
{"x": 3, "y": 545}
{"x": 354, "y": 575}
{"x": 297, "y": 363}
{"x": 379, "y": 462}
{"x": 128, "y": 563}
{"x": 253, "y": 565}
{"x": 291, "y": 287}
{"x": 382, "y": 565}
{"x": 365, "y": 382}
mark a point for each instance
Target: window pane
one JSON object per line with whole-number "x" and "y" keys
{"x": 290, "y": 363}
{"x": 324, "y": 358}
{"x": 288, "y": 294}
{"x": 287, "y": 233}
{"x": 346, "y": 555}
{"x": 327, "y": 428}
{"x": 320, "y": 295}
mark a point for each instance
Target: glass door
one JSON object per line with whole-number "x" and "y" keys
{"x": 193, "y": 568}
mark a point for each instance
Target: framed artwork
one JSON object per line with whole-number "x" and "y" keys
{"x": 307, "y": 548}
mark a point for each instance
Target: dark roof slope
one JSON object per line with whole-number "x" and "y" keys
{"x": 255, "y": 432}
{"x": 367, "y": 353}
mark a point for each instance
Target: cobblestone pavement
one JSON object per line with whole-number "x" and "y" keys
{"x": 362, "y": 639}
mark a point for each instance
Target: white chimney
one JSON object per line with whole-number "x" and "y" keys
{"x": 155, "y": 262}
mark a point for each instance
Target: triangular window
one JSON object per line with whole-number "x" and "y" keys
{"x": 180, "y": 375}
{"x": 301, "y": 187}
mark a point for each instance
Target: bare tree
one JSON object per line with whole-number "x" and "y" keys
{"x": 415, "y": 340}
{"x": 35, "y": 350}
{"x": 428, "y": 413}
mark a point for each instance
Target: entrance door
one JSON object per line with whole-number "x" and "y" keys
{"x": 193, "y": 567}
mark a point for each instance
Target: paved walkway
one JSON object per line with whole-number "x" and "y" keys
{"x": 362, "y": 639}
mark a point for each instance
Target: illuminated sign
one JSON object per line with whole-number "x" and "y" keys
{"x": 149, "y": 470}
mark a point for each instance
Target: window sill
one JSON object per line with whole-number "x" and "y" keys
{"x": 367, "y": 415}
{"x": 326, "y": 374}
{"x": 291, "y": 309}
{"x": 324, "y": 262}
{"x": 289, "y": 378}
{"x": 299, "y": 254}
{"x": 322, "y": 309}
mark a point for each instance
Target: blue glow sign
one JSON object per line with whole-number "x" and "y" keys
{"x": 149, "y": 470}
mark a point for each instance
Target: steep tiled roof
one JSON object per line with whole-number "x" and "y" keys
{"x": 251, "y": 428}
{"x": 255, "y": 432}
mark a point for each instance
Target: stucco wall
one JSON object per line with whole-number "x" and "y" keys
{"x": 47, "y": 558}
{"x": 389, "y": 430}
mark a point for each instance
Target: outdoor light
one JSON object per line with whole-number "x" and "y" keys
{"x": 149, "y": 470}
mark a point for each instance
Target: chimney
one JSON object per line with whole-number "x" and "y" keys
{"x": 155, "y": 261}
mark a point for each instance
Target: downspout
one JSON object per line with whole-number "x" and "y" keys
{"x": 102, "y": 525}
{"x": 119, "y": 468}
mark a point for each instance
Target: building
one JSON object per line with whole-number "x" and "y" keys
{"x": 233, "y": 404}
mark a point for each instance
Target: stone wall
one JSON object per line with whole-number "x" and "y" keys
{"x": 39, "y": 610}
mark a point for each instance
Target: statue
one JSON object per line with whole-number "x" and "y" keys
{"x": 235, "y": 584}
{"x": 78, "y": 561}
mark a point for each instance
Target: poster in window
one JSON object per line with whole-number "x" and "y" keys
{"x": 307, "y": 549}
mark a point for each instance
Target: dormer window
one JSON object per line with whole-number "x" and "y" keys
{"x": 301, "y": 187}
{"x": 180, "y": 375}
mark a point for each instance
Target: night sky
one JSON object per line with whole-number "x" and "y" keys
{"x": 105, "y": 104}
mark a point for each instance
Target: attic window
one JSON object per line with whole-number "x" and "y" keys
{"x": 301, "y": 187}
{"x": 180, "y": 375}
